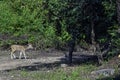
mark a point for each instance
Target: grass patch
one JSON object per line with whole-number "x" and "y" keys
{"x": 69, "y": 73}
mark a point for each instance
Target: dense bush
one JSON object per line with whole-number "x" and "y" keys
{"x": 26, "y": 18}
{"x": 52, "y": 23}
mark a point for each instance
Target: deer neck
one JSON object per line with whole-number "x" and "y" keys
{"x": 26, "y": 47}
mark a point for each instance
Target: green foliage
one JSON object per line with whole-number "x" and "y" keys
{"x": 65, "y": 36}
{"x": 115, "y": 40}
{"x": 46, "y": 23}
{"x": 27, "y": 17}
{"x": 68, "y": 73}
{"x": 110, "y": 9}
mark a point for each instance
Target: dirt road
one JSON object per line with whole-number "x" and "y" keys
{"x": 33, "y": 57}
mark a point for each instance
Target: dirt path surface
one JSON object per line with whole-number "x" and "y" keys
{"x": 34, "y": 57}
{"x": 42, "y": 61}
{"x": 43, "y": 58}
{"x": 12, "y": 64}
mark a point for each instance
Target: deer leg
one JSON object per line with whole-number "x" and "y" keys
{"x": 20, "y": 55}
{"x": 12, "y": 55}
{"x": 24, "y": 54}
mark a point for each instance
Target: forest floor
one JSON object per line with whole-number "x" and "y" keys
{"x": 46, "y": 61}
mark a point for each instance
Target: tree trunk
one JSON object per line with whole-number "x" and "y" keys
{"x": 93, "y": 42}
{"x": 92, "y": 33}
{"x": 71, "y": 49}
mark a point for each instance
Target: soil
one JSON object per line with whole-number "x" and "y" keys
{"x": 45, "y": 60}
{"x": 6, "y": 63}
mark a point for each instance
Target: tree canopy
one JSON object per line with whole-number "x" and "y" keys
{"x": 53, "y": 23}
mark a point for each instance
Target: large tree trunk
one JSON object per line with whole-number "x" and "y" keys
{"x": 118, "y": 10}
{"x": 95, "y": 47}
{"x": 93, "y": 42}
{"x": 92, "y": 25}
{"x": 71, "y": 49}
{"x": 92, "y": 33}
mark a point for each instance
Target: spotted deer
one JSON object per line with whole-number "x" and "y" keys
{"x": 21, "y": 49}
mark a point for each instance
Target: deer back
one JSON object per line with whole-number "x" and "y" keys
{"x": 17, "y": 47}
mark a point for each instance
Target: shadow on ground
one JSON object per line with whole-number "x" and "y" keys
{"x": 77, "y": 60}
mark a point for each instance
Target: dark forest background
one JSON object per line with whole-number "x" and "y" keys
{"x": 54, "y": 23}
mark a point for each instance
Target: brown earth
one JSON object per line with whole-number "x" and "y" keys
{"x": 50, "y": 59}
